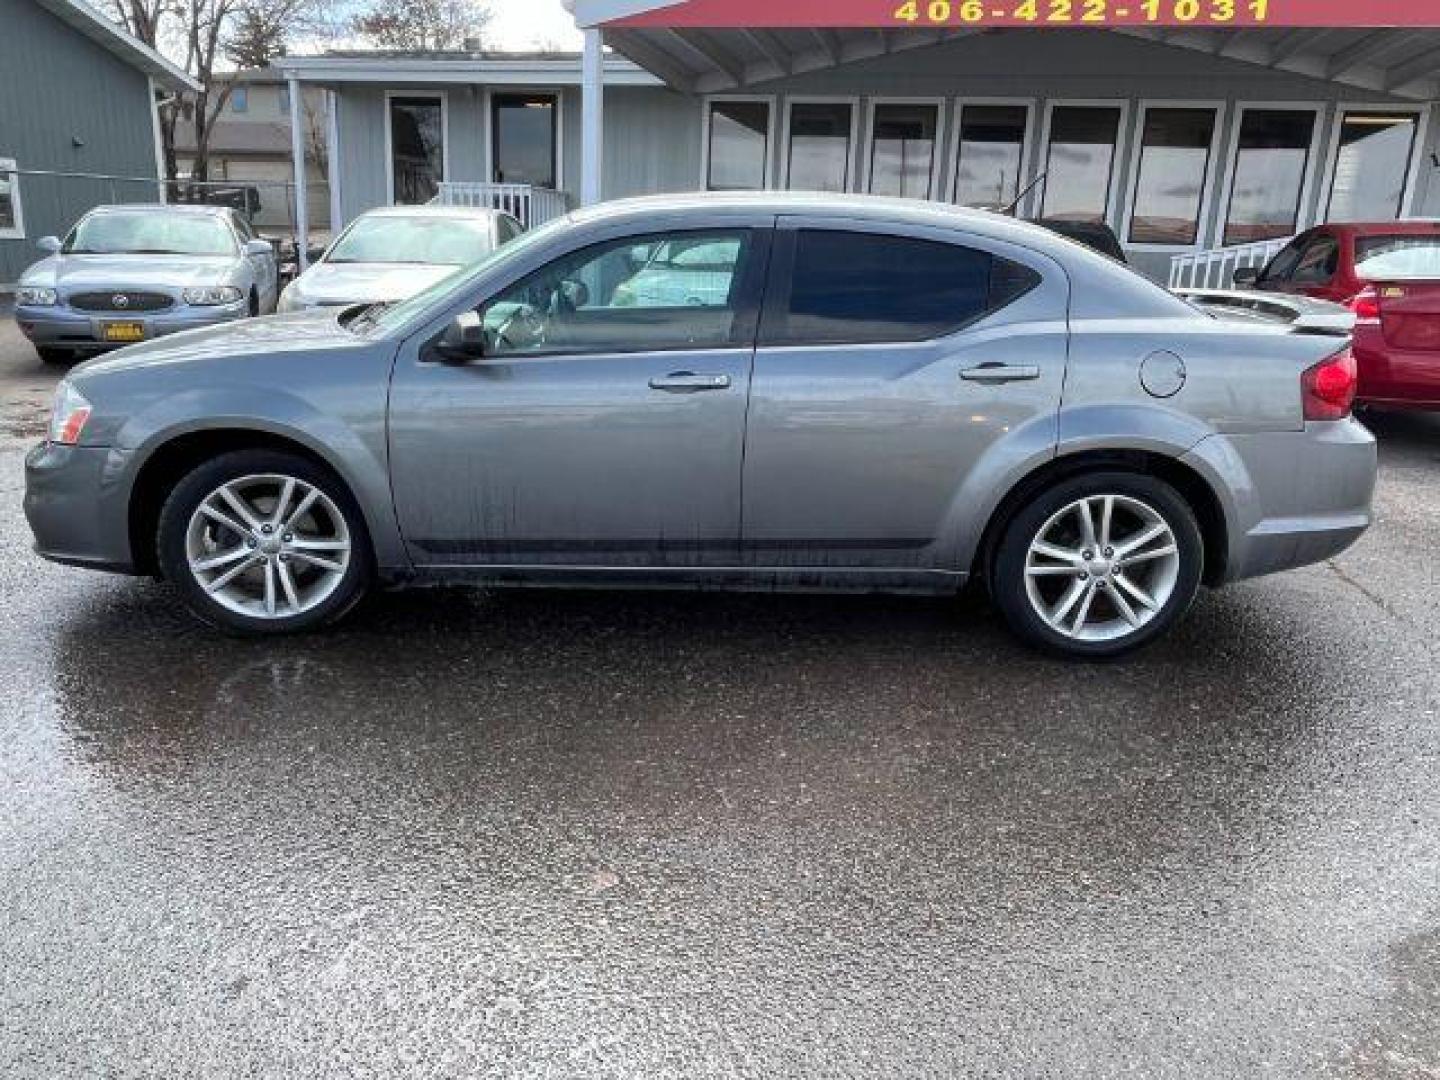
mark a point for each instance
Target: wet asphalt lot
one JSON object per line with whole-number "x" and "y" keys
{"x": 585, "y": 835}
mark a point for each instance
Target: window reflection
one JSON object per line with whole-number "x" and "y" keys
{"x": 1174, "y": 165}
{"x": 417, "y": 148}
{"x": 902, "y": 151}
{"x": 1372, "y": 166}
{"x": 1272, "y": 157}
{"x": 739, "y": 146}
{"x": 1079, "y": 162}
{"x": 992, "y": 148}
{"x": 524, "y": 139}
{"x": 820, "y": 146}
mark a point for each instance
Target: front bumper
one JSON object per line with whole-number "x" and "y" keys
{"x": 1295, "y": 497}
{"x": 64, "y": 328}
{"x": 75, "y": 506}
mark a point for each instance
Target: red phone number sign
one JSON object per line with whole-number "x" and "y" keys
{"x": 922, "y": 14}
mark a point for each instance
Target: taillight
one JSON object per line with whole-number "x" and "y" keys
{"x": 1366, "y": 305}
{"x": 1328, "y": 388}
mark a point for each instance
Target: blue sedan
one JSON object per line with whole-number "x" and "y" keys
{"x": 132, "y": 273}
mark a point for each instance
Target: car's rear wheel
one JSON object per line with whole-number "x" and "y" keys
{"x": 1099, "y": 565}
{"x": 264, "y": 542}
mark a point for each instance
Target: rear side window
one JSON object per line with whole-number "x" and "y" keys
{"x": 857, "y": 288}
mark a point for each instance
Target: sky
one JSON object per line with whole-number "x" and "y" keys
{"x": 530, "y": 24}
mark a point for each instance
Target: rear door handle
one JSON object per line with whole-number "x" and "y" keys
{"x": 1000, "y": 373}
{"x": 688, "y": 382}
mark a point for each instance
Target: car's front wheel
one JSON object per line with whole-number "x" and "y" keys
{"x": 264, "y": 542}
{"x": 49, "y": 354}
{"x": 1099, "y": 565}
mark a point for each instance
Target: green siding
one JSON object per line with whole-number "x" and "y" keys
{"x": 58, "y": 88}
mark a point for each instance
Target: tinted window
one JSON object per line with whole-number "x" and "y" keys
{"x": 1319, "y": 262}
{"x": 864, "y": 287}
{"x": 639, "y": 294}
{"x": 1283, "y": 264}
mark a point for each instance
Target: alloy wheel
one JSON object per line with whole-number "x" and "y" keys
{"x": 268, "y": 546}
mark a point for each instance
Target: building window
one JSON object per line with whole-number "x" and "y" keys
{"x": 1080, "y": 162}
{"x": 1372, "y": 166}
{"x": 739, "y": 146}
{"x": 1175, "y": 151}
{"x": 417, "y": 148}
{"x": 285, "y": 98}
{"x": 12, "y": 221}
{"x": 240, "y": 99}
{"x": 820, "y": 146}
{"x": 524, "y": 139}
{"x": 903, "y": 144}
{"x": 992, "y": 155}
{"x": 1272, "y": 159}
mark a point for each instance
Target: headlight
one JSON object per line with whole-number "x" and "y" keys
{"x": 34, "y": 296}
{"x": 212, "y": 295}
{"x": 69, "y": 416}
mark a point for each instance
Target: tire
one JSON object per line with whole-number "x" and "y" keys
{"x": 1164, "y": 570}
{"x": 50, "y": 355}
{"x": 278, "y": 580}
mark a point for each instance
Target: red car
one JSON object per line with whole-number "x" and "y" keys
{"x": 1388, "y": 273}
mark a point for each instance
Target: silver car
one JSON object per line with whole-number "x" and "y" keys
{"x": 131, "y": 273}
{"x": 393, "y": 253}
{"x": 888, "y": 396}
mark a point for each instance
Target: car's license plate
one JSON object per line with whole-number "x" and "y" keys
{"x": 122, "y": 331}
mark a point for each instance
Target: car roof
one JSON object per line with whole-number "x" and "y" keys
{"x": 169, "y": 208}
{"x": 478, "y": 213}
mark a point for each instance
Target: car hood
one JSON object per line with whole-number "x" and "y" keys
{"x": 75, "y": 273}
{"x": 367, "y": 283}
{"x": 306, "y": 331}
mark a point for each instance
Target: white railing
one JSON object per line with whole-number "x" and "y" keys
{"x": 1216, "y": 269}
{"x": 531, "y": 205}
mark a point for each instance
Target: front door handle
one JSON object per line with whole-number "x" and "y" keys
{"x": 992, "y": 374}
{"x": 688, "y": 382}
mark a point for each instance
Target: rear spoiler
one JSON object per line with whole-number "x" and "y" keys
{"x": 1301, "y": 313}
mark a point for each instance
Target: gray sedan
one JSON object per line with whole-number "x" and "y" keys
{"x": 131, "y": 273}
{"x": 886, "y": 396}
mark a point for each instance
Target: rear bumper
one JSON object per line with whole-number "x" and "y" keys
{"x": 75, "y": 507}
{"x": 1295, "y": 497}
{"x": 62, "y": 328}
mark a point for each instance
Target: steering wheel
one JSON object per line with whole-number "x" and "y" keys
{"x": 528, "y": 322}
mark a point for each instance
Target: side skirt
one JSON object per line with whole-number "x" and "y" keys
{"x": 709, "y": 579}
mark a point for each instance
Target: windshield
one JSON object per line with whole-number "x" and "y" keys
{"x": 396, "y": 316}
{"x": 1389, "y": 257}
{"x": 150, "y": 232}
{"x": 430, "y": 240}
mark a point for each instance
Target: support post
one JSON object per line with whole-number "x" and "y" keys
{"x": 297, "y": 154}
{"x": 592, "y": 120}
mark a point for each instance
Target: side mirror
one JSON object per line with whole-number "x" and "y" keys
{"x": 48, "y": 244}
{"x": 259, "y": 247}
{"x": 1246, "y": 276}
{"x": 463, "y": 339}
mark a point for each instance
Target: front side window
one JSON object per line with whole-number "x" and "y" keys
{"x": 857, "y": 288}
{"x": 820, "y": 146}
{"x": 1080, "y": 162}
{"x": 12, "y": 224}
{"x": 1272, "y": 157}
{"x": 1372, "y": 166}
{"x": 992, "y": 151}
{"x": 431, "y": 241}
{"x": 417, "y": 148}
{"x": 1174, "y": 168}
{"x": 739, "y": 146}
{"x": 1318, "y": 263}
{"x": 524, "y": 139}
{"x": 639, "y": 294}
{"x": 150, "y": 232}
{"x": 903, "y": 146}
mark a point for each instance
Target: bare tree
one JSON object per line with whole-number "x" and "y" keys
{"x": 207, "y": 33}
{"x": 425, "y": 25}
